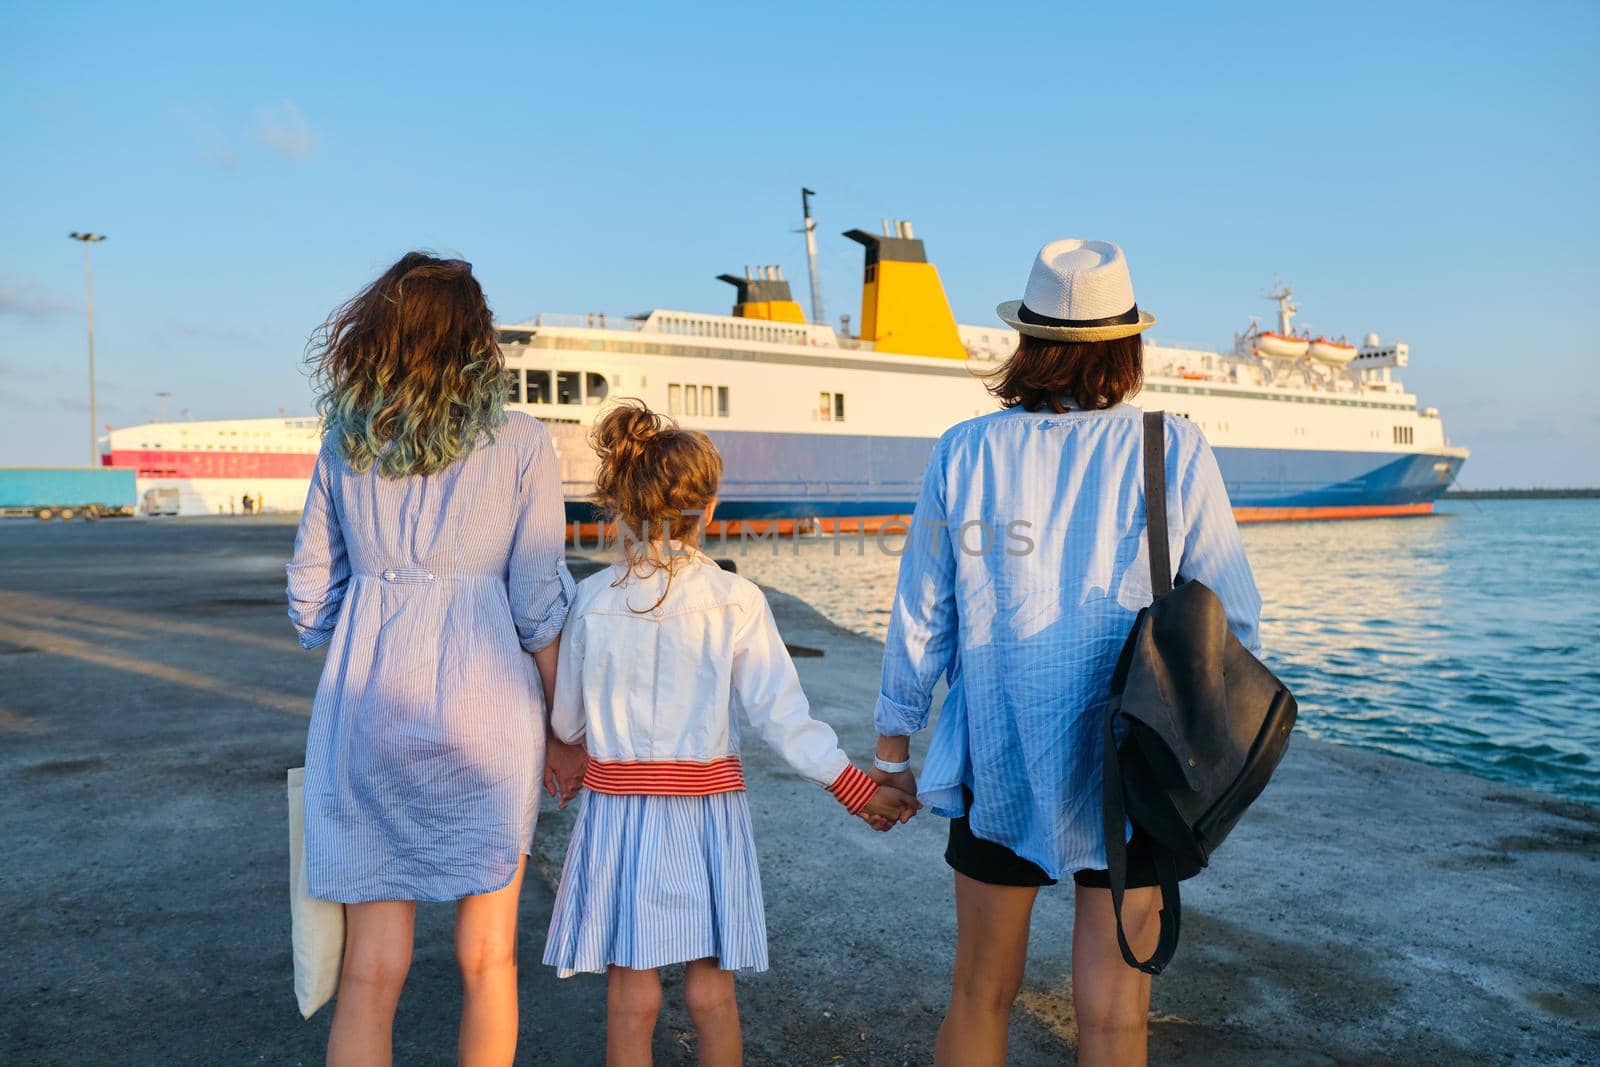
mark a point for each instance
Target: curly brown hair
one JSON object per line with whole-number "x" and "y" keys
{"x": 1045, "y": 375}
{"x": 655, "y": 480}
{"x": 408, "y": 372}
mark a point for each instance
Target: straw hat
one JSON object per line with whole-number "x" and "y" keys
{"x": 1078, "y": 291}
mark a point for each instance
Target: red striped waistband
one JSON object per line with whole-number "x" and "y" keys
{"x": 671, "y": 778}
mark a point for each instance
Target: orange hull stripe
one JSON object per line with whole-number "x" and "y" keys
{"x": 667, "y": 778}
{"x": 1351, "y": 511}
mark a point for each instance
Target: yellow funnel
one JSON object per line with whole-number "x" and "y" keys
{"x": 903, "y": 306}
{"x": 764, "y": 297}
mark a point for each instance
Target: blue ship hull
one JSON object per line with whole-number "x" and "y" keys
{"x": 812, "y": 476}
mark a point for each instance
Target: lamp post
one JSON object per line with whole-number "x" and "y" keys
{"x": 88, "y": 277}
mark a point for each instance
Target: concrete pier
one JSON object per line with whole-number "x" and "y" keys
{"x": 1369, "y": 910}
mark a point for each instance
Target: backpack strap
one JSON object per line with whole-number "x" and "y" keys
{"x": 1155, "y": 502}
{"x": 1114, "y": 806}
{"x": 1115, "y": 812}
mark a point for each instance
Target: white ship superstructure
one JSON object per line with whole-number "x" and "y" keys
{"x": 818, "y": 424}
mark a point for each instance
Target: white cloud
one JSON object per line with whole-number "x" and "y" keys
{"x": 24, "y": 297}
{"x": 284, "y": 129}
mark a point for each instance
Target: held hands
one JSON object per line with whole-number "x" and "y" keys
{"x": 892, "y": 789}
{"x": 904, "y": 781}
{"x": 888, "y": 807}
{"x": 564, "y": 765}
{"x": 897, "y": 790}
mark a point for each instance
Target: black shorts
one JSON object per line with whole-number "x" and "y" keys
{"x": 994, "y": 864}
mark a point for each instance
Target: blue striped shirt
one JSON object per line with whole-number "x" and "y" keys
{"x": 1021, "y": 577}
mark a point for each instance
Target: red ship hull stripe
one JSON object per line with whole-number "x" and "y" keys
{"x": 164, "y": 464}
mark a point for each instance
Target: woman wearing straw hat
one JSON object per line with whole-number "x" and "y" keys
{"x": 1022, "y": 574}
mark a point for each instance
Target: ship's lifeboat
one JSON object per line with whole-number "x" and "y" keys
{"x": 1336, "y": 352}
{"x": 1277, "y": 346}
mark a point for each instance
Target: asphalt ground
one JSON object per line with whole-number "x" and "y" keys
{"x": 1369, "y": 910}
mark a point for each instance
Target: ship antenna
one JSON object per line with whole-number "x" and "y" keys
{"x": 817, "y": 314}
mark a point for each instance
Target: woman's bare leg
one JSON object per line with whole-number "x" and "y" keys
{"x": 486, "y": 950}
{"x": 377, "y": 955}
{"x": 633, "y": 1000}
{"x": 1111, "y": 999}
{"x": 708, "y": 992}
{"x": 991, "y": 953}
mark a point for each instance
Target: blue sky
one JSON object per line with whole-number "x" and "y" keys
{"x": 1427, "y": 171}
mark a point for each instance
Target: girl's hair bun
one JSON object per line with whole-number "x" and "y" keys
{"x": 654, "y": 479}
{"x": 624, "y": 432}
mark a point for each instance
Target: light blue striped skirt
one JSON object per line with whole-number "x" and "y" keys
{"x": 650, "y": 881}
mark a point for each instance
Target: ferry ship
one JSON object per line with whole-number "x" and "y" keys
{"x": 833, "y": 427}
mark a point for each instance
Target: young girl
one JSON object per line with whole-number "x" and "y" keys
{"x": 658, "y": 649}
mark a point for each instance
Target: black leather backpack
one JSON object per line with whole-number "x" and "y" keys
{"x": 1196, "y": 725}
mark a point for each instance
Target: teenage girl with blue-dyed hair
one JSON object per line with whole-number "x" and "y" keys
{"x": 658, "y": 652}
{"x": 430, "y": 563}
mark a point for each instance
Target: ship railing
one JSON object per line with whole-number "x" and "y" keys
{"x": 595, "y": 320}
{"x": 1187, "y": 346}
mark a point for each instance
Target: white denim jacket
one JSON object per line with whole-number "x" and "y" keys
{"x": 650, "y": 687}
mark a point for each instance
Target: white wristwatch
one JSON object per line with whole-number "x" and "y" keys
{"x": 891, "y": 768}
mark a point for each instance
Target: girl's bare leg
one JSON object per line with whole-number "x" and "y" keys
{"x": 486, "y": 951}
{"x": 708, "y": 992}
{"x": 377, "y": 955}
{"x": 633, "y": 1001}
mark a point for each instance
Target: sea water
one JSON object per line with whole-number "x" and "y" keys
{"x": 1469, "y": 638}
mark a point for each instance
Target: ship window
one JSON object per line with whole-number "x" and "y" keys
{"x": 722, "y": 401}
{"x": 838, "y": 407}
{"x": 674, "y": 399}
{"x": 705, "y": 399}
{"x": 691, "y": 400}
{"x": 825, "y": 407}
{"x": 595, "y": 387}
{"x": 569, "y": 387}
{"x": 514, "y": 387}
{"x": 538, "y": 387}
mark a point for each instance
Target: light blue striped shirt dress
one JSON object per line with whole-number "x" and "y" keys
{"x": 1021, "y": 577}
{"x": 426, "y": 745}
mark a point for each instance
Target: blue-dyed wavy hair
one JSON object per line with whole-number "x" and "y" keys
{"x": 408, "y": 373}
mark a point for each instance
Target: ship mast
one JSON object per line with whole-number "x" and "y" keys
{"x": 817, "y": 314}
{"x": 1286, "y": 307}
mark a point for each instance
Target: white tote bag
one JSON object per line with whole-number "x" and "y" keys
{"x": 317, "y": 925}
